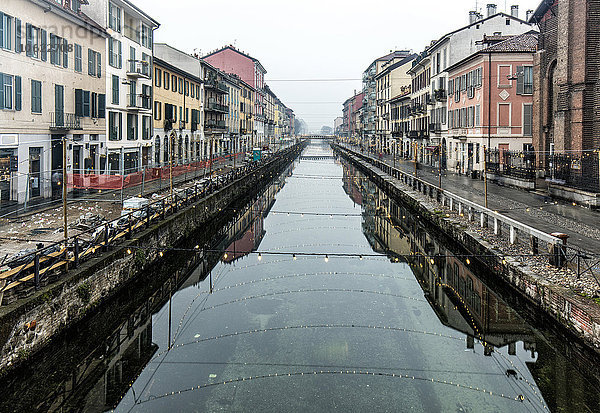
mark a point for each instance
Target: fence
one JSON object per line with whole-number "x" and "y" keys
{"x": 579, "y": 170}
{"x": 512, "y": 164}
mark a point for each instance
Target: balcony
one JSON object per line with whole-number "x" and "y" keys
{"x": 64, "y": 121}
{"x": 138, "y": 69}
{"x": 220, "y": 87}
{"x": 440, "y": 95}
{"x": 217, "y": 107}
{"x": 214, "y": 124}
{"x": 435, "y": 127}
{"x": 138, "y": 101}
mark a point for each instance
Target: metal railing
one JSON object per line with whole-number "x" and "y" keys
{"x": 138, "y": 68}
{"x": 472, "y": 210}
{"x": 65, "y": 121}
{"x": 46, "y": 263}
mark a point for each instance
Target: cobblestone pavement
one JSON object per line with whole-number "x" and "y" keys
{"x": 536, "y": 210}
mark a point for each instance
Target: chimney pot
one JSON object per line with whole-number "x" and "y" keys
{"x": 514, "y": 11}
{"x": 491, "y": 9}
{"x": 472, "y": 17}
{"x": 529, "y": 15}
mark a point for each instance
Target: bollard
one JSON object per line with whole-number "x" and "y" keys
{"x": 483, "y": 220}
{"x": 534, "y": 242}
{"x": 76, "y": 252}
{"x": 558, "y": 251}
{"x": 513, "y": 235}
{"x": 497, "y": 226}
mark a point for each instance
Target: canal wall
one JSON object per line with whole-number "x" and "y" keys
{"x": 30, "y": 324}
{"x": 578, "y": 315}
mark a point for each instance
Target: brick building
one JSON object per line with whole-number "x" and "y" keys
{"x": 567, "y": 94}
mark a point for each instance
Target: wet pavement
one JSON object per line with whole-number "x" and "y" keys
{"x": 327, "y": 296}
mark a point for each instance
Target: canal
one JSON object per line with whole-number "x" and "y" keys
{"x": 325, "y": 295}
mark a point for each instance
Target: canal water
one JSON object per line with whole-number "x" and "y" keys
{"x": 328, "y": 296}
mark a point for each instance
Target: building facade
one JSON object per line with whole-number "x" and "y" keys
{"x": 247, "y": 94}
{"x": 251, "y": 71}
{"x": 52, "y": 87}
{"x": 490, "y": 102}
{"x": 567, "y": 94}
{"x": 420, "y": 100}
{"x": 129, "y": 50}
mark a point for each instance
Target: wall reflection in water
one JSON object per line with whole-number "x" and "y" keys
{"x": 458, "y": 290}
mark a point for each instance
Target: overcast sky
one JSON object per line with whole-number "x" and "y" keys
{"x": 312, "y": 39}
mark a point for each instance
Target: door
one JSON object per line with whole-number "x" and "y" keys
{"x": 57, "y": 162}
{"x": 77, "y": 159}
{"x": 59, "y": 105}
{"x": 35, "y": 172}
{"x": 145, "y": 156}
{"x": 470, "y": 158}
{"x": 91, "y": 167}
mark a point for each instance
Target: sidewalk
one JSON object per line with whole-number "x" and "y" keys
{"x": 538, "y": 211}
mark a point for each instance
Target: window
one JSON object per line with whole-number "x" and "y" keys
{"x": 55, "y": 45}
{"x": 478, "y": 115}
{"x": 146, "y": 36}
{"x": 10, "y": 92}
{"x": 115, "y": 53}
{"x": 527, "y": 120}
{"x": 166, "y": 81}
{"x": 114, "y": 17}
{"x": 187, "y": 88}
{"x": 508, "y": 22}
{"x": 174, "y": 83}
{"x": 6, "y": 23}
{"x": 157, "y": 108}
{"x": 86, "y": 103}
{"x": 157, "y": 77}
{"x": 115, "y": 90}
{"x": 132, "y": 127}
{"x": 32, "y": 47}
{"x": 94, "y": 63}
{"x": 18, "y": 46}
{"x": 36, "y": 96}
{"x": 43, "y": 45}
{"x": 146, "y": 127}
{"x": 77, "y": 58}
{"x": 198, "y": 92}
{"x": 181, "y": 86}
{"x": 524, "y": 80}
{"x": 192, "y": 88}
{"x": 115, "y": 124}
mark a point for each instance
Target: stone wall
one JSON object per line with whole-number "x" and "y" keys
{"x": 27, "y": 325}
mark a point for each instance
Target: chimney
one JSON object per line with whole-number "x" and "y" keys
{"x": 514, "y": 11}
{"x": 472, "y": 17}
{"x": 529, "y": 15}
{"x": 491, "y": 9}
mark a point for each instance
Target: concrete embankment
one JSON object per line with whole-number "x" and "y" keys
{"x": 29, "y": 324}
{"x": 577, "y": 316}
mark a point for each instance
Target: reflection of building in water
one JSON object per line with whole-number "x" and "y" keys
{"x": 351, "y": 184}
{"x": 99, "y": 381}
{"x": 461, "y": 299}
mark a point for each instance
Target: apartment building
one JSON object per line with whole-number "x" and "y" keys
{"x": 420, "y": 99}
{"x": 269, "y": 114}
{"x": 391, "y": 81}
{"x": 490, "y": 101}
{"x": 52, "y": 87}
{"x": 177, "y": 108}
{"x": 232, "y": 118}
{"x": 129, "y": 50}
{"x": 456, "y": 46}
{"x": 250, "y": 70}
{"x": 400, "y": 122}
{"x": 247, "y": 94}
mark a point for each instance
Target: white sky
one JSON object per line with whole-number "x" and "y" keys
{"x": 312, "y": 39}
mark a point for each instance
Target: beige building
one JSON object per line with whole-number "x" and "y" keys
{"x": 391, "y": 81}
{"x": 52, "y": 86}
{"x": 420, "y": 101}
{"x": 232, "y": 118}
{"x": 247, "y": 93}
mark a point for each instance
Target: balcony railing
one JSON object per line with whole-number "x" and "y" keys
{"x": 138, "y": 101}
{"x": 217, "y": 107}
{"x": 440, "y": 95}
{"x": 138, "y": 68}
{"x": 214, "y": 124}
{"x": 214, "y": 84}
{"x": 64, "y": 121}
{"x": 435, "y": 127}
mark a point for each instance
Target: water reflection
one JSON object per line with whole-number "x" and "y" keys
{"x": 398, "y": 321}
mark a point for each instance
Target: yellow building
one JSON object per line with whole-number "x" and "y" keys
{"x": 246, "y": 116}
{"x": 177, "y": 110}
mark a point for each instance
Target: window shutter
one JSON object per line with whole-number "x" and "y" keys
{"x": 86, "y": 103}
{"x": 477, "y": 115}
{"x": 94, "y": 105}
{"x": 1, "y": 89}
{"x": 99, "y": 63}
{"x": 111, "y": 60}
{"x": 527, "y": 120}
{"x": 65, "y": 53}
{"x": 29, "y": 40}
{"x": 101, "y": 106}
{"x": 1, "y": 33}
{"x": 120, "y": 133}
{"x": 520, "y": 80}
{"x": 90, "y": 62}
{"x": 78, "y": 102}
{"x": 43, "y": 42}
{"x": 17, "y": 93}
{"x": 120, "y": 56}
{"x": 18, "y": 46}
{"x": 110, "y": 16}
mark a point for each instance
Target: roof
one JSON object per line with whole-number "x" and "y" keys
{"x": 82, "y": 19}
{"x": 238, "y": 52}
{"x": 389, "y": 56}
{"x": 140, "y": 11}
{"x": 541, "y": 11}
{"x": 526, "y": 42}
{"x": 522, "y": 43}
{"x": 398, "y": 64}
{"x": 444, "y": 37}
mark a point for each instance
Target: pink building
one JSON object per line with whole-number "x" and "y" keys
{"x": 490, "y": 101}
{"x": 250, "y": 70}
